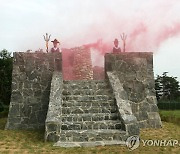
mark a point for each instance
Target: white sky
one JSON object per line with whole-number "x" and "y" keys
{"x": 75, "y": 22}
{"x": 168, "y": 58}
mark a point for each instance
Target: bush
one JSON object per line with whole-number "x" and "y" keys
{"x": 4, "y": 114}
{"x": 4, "y": 109}
{"x": 1, "y": 107}
{"x": 5, "y": 78}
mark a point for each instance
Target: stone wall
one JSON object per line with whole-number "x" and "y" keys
{"x": 135, "y": 72}
{"x": 54, "y": 114}
{"x": 129, "y": 74}
{"x": 31, "y": 80}
{"x": 67, "y": 64}
{"x": 98, "y": 73}
{"x": 77, "y": 64}
{"x": 127, "y": 117}
{"x": 82, "y": 64}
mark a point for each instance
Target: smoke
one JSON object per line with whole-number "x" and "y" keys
{"x": 89, "y": 22}
{"x": 147, "y": 24}
{"x": 141, "y": 36}
{"x": 168, "y": 32}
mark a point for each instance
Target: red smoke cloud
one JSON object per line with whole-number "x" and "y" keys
{"x": 167, "y": 32}
{"x": 142, "y": 37}
{"x": 147, "y": 25}
{"x": 99, "y": 46}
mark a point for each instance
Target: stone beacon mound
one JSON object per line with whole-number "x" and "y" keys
{"x": 83, "y": 112}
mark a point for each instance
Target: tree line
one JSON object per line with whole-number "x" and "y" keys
{"x": 167, "y": 87}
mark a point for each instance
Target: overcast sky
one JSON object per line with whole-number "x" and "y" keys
{"x": 151, "y": 25}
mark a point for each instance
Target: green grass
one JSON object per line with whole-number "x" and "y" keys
{"x": 170, "y": 116}
{"x": 171, "y": 113}
{"x": 33, "y": 142}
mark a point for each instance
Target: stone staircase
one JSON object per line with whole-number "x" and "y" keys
{"x": 89, "y": 115}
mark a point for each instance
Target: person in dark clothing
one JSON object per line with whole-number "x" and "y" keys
{"x": 55, "y": 48}
{"x": 116, "y": 48}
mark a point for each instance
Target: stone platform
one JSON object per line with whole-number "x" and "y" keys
{"x": 84, "y": 112}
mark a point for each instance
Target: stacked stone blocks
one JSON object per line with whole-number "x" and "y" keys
{"x": 134, "y": 72}
{"x": 82, "y": 64}
{"x": 86, "y": 112}
{"x": 31, "y": 80}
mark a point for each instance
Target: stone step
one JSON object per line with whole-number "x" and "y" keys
{"x": 87, "y": 92}
{"x": 94, "y": 103}
{"x": 91, "y": 135}
{"x": 85, "y": 81}
{"x": 82, "y": 110}
{"x": 91, "y": 125}
{"x": 89, "y": 117}
{"x": 94, "y": 86}
{"x": 67, "y": 144}
{"x": 87, "y": 97}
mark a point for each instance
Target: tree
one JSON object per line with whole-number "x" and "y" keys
{"x": 4, "y": 54}
{"x": 167, "y": 87}
{"x": 5, "y": 76}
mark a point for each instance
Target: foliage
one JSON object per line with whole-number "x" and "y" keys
{"x": 5, "y": 76}
{"x": 4, "y": 113}
{"x": 167, "y": 88}
{"x": 171, "y": 105}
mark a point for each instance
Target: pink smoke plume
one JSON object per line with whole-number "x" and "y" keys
{"x": 141, "y": 38}
{"x": 168, "y": 32}
{"x": 100, "y": 46}
{"x": 147, "y": 26}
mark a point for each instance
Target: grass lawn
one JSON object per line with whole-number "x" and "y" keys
{"x": 170, "y": 116}
{"x": 167, "y": 113}
{"x": 33, "y": 142}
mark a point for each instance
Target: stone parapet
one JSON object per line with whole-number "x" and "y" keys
{"x": 31, "y": 81}
{"x": 129, "y": 121}
{"x": 54, "y": 114}
{"x": 134, "y": 72}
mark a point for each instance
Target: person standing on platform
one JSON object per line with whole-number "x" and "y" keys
{"x": 116, "y": 48}
{"x": 55, "y": 48}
